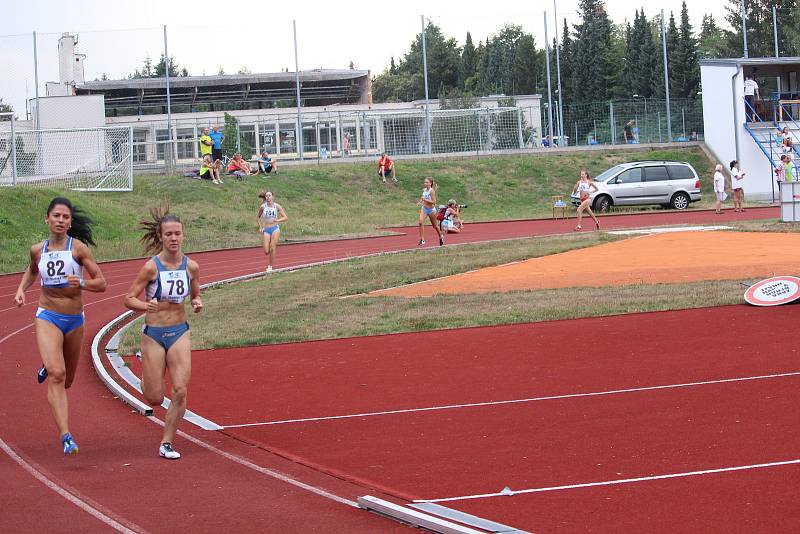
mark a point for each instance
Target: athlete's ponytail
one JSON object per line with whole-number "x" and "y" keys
{"x": 81, "y": 225}
{"x": 152, "y": 228}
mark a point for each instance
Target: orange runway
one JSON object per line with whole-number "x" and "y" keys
{"x": 662, "y": 258}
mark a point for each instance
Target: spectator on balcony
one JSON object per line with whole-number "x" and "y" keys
{"x": 385, "y": 167}
{"x": 217, "y": 138}
{"x": 751, "y": 95}
{"x": 205, "y": 144}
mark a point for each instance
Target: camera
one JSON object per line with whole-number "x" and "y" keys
{"x": 462, "y": 206}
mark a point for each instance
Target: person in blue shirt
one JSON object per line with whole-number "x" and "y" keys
{"x": 267, "y": 163}
{"x": 216, "y": 139}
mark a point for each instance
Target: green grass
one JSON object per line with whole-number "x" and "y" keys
{"x": 321, "y": 201}
{"x": 329, "y": 301}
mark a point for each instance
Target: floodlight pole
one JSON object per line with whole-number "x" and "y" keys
{"x": 169, "y": 105}
{"x": 666, "y": 76}
{"x": 36, "y": 82}
{"x": 425, "y": 72}
{"x": 299, "y": 140}
{"x": 775, "y": 36}
{"x": 549, "y": 89}
{"x": 744, "y": 30}
{"x": 558, "y": 78}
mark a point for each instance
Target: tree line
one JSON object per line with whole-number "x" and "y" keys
{"x": 600, "y": 59}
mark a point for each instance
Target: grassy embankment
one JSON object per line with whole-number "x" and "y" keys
{"x": 321, "y": 201}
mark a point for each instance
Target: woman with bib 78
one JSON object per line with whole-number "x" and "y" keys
{"x": 167, "y": 279}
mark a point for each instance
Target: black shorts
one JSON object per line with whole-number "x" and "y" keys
{"x": 216, "y": 153}
{"x": 205, "y": 175}
{"x": 268, "y": 168}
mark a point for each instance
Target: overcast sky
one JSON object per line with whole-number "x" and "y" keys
{"x": 205, "y": 35}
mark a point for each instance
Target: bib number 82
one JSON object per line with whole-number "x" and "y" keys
{"x": 55, "y": 268}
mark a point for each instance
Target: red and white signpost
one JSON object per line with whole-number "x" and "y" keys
{"x": 773, "y": 291}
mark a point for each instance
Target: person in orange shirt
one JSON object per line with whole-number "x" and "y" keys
{"x": 386, "y": 166}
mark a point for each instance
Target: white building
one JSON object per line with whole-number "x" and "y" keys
{"x": 731, "y": 133}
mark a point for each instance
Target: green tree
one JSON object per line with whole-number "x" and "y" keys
{"x": 469, "y": 62}
{"x": 229, "y": 147}
{"x": 595, "y": 78}
{"x": 567, "y": 65}
{"x": 686, "y": 66}
{"x": 712, "y": 42}
{"x": 5, "y": 108}
{"x": 149, "y": 70}
{"x": 673, "y": 66}
{"x": 527, "y": 66}
{"x": 760, "y": 39}
{"x": 444, "y": 58}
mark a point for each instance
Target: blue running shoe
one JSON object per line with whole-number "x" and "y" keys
{"x": 70, "y": 447}
{"x": 41, "y": 375}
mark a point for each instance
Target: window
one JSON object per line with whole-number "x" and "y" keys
{"x": 680, "y": 172}
{"x": 656, "y": 174}
{"x": 631, "y": 176}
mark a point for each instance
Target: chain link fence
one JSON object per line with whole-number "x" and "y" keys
{"x": 641, "y": 120}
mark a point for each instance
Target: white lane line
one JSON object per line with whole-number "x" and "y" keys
{"x": 509, "y": 492}
{"x": 516, "y": 401}
{"x": 263, "y": 470}
{"x": 69, "y": 495}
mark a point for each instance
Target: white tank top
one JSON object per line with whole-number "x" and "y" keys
{"x": 584, "y": 187}
{"x": 270, "y": 212}
{"x": 56, "y": 265}
{"x": 427, "y": 194}
{"x": 169, "y": 285}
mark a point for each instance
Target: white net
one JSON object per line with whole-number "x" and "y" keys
{"x": 91, "y": 159}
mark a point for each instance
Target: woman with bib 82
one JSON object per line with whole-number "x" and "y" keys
{"x": 167, "y": 279}
{"x": 61, "y": 261}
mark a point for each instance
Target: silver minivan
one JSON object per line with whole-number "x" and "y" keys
{"x": 672, "y": 184}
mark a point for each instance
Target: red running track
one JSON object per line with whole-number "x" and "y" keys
{"x": 117, "y": 479}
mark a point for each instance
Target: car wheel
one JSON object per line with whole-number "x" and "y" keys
{"x": 680, "y": 201}
{"x": 602, "y": 204}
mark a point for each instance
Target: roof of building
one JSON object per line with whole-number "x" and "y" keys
{"x": 752, "y": 61}
{"x": 317, "y": 75}
{"x": 317, "y": 87}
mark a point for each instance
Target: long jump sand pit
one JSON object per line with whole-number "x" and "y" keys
{"x": 651, "y": 259}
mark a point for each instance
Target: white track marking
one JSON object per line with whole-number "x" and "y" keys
{"x": 671, "y": 229}
{"x": 517, "y": 401}
{"x": 263, "y": 470}
{"x": 70, "y": 496}
{"x": 613, "y": 482}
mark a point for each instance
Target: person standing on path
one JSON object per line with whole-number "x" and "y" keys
{"x": 719, "y": 188}
{"x": 737, "y": 185}
{"x": 61, "y": 261}
{"x": 167, "y": 279}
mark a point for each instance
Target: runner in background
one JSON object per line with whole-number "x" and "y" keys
{"x": 270, "y": 214}
{"x": 167, "y": 279}
{"x": 584, "y": 187}
{"x": 61, "y": 262}
{"x": 427, "y": 204}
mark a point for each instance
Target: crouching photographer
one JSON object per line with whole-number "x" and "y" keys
{"x": 450, "y": 217}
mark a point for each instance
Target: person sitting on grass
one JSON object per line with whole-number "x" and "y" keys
{"x": 239, "y": 167}
{"x": 267, "y": 163}
{"x": 386, "y": 166}
{"x": 210, "y": 170}
{"x": 452, "y": 218}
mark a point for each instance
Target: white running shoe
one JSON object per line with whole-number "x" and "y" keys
{"x": 421, "y": 243}
{"x": 215, "y": 182}
{"x": 269, "y": 268}
{"x": 166, "y": 451}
